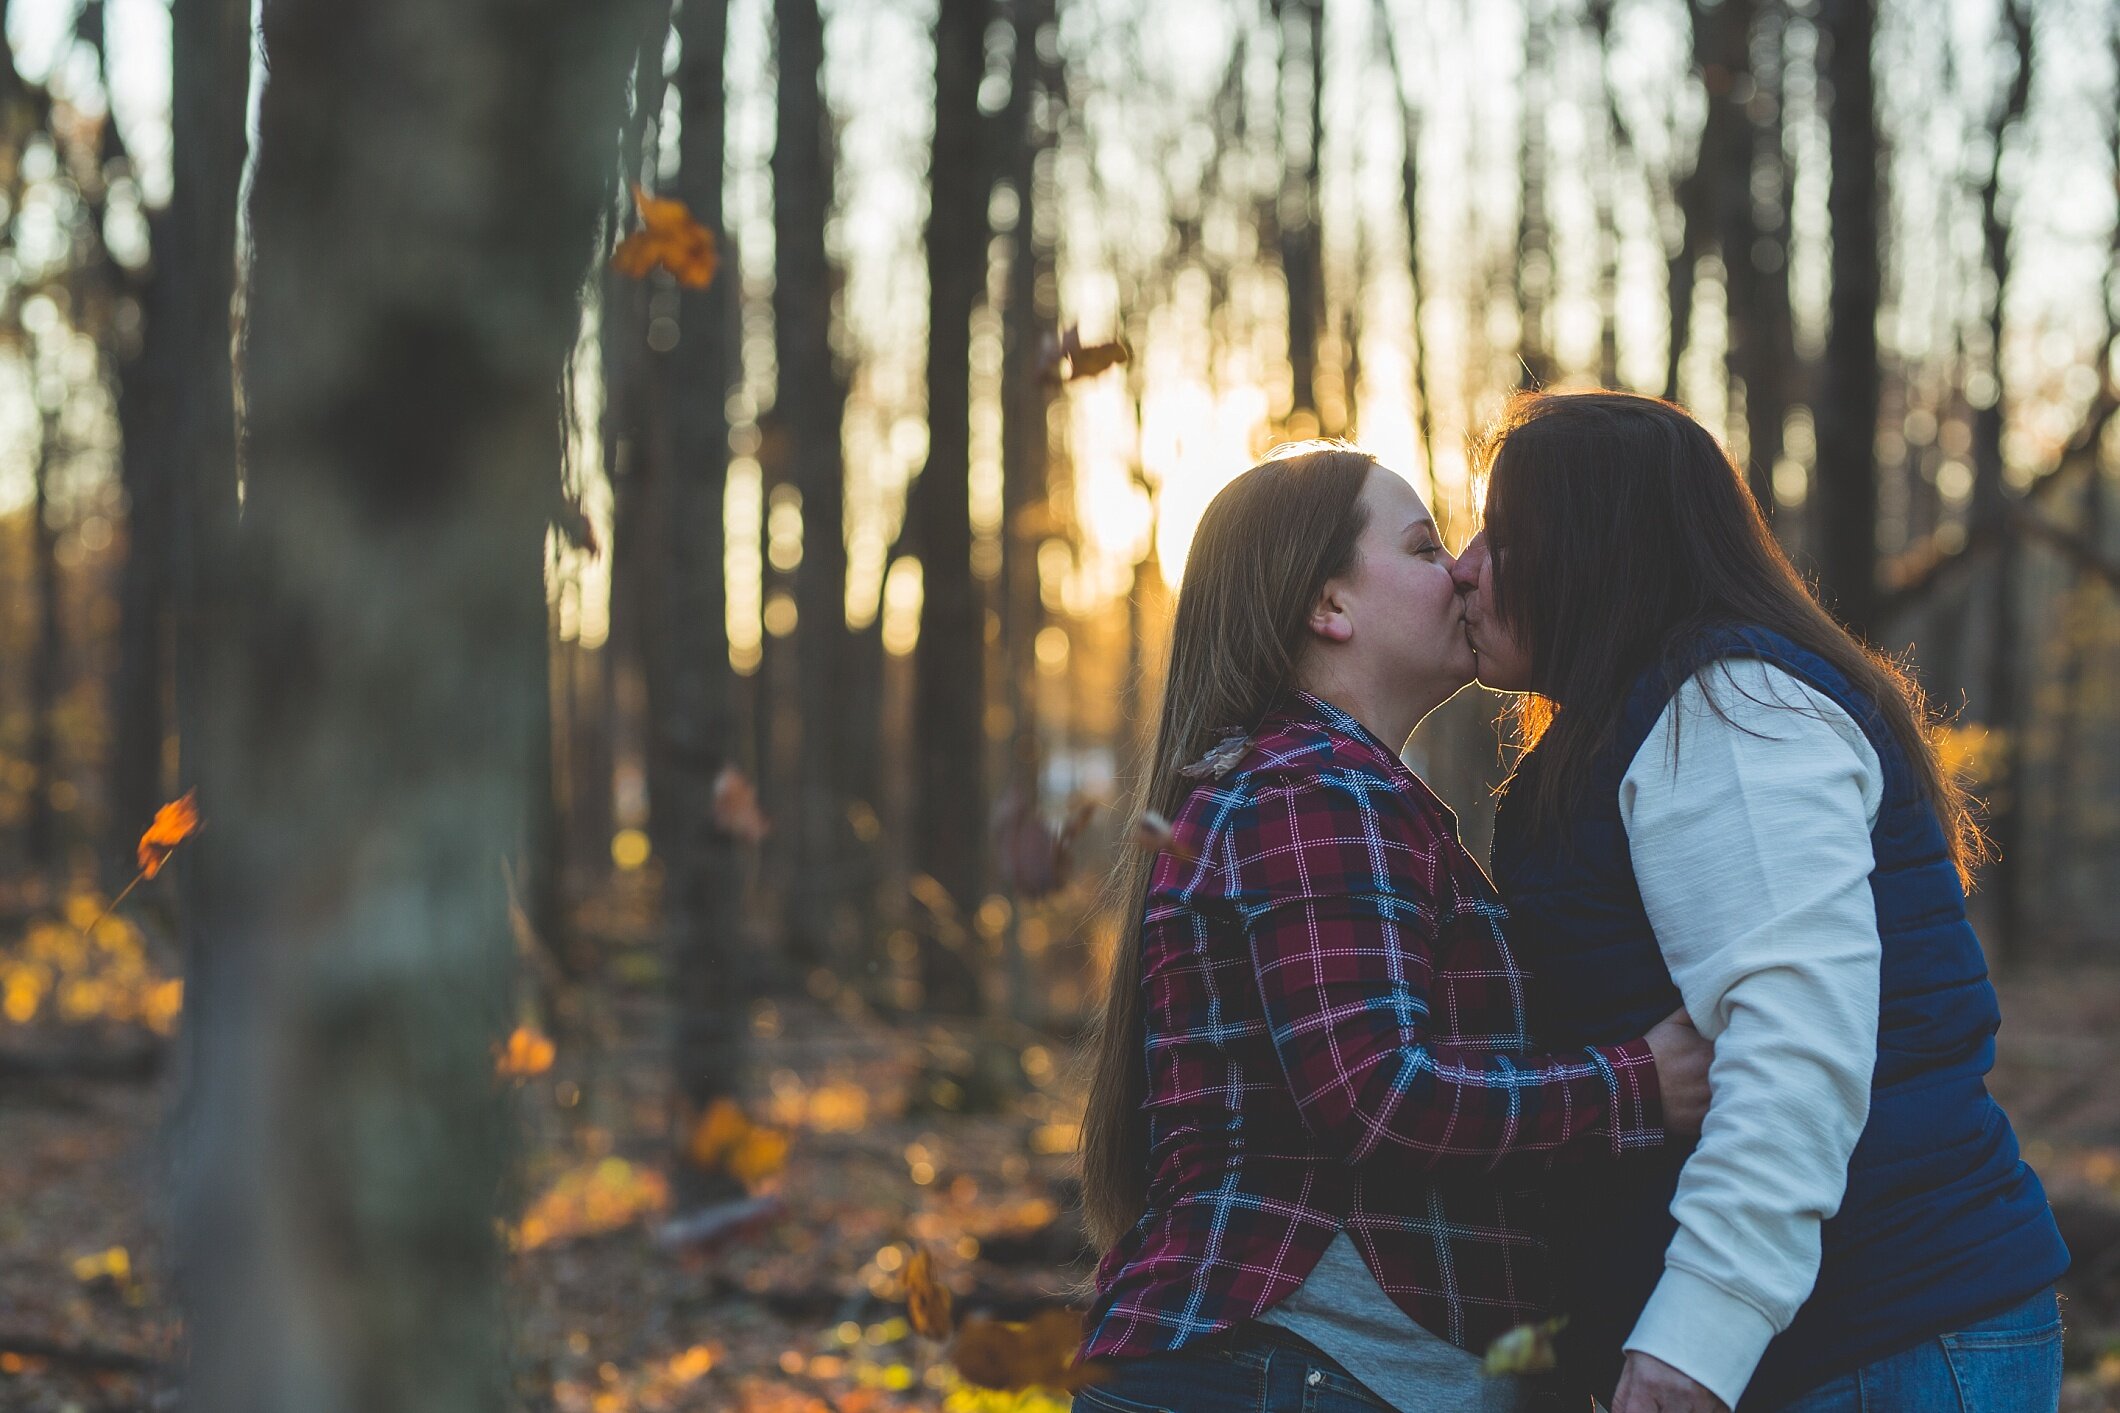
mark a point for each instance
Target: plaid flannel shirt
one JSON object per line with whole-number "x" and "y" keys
{"x": 1336, "y": 1039}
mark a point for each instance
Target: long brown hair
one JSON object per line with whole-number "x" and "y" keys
{"x": 1620, "y": 530}
{"x": 1265, "y": 547}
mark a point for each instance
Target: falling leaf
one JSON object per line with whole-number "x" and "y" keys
{"x": 671, "y": 238}
{"x": 1527, "y": 1349}
{"x": 1034, "y": 854}
{"x": 1070, "y": 358}
{"x": 528, "y": 1052}
{"x": 927, "y": 1299}
{"x": 1016, "y": 1355}
{"x": 575, "y": 526}
{"x": 1152, "y": 833}
{"x": 174, "y": 823}
{"x": 736, "y": 809}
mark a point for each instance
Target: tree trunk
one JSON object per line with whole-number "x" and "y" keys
{"x": 1845, "y": 493}
{"x": 43, "y": 841}
{"x": 1533, "y": 267}
{"x": 810, "y": 404}
{"x": 424, "y": 202}
{"x": 690, "y": 684}
{"x": 1994, "y": 504}
{"x": 1302, "y": 251}
{"x": 950, "y": 674}
{"x": 1026, "y": 326}
{"x": 138, "y": 690}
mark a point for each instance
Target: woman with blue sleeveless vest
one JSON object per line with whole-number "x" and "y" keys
{"x": 1318, "y": 1129}
{"x": 1729, "y": 801}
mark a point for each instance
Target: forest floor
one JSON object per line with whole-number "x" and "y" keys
{"x": 898, "y": 1133}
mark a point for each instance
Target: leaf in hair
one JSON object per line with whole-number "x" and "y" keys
{"x": 1219, "y": 761}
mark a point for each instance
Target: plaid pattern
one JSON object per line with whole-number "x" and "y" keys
{"x": 1336, "y": 1038}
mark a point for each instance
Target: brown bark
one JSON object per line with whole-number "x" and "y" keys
{"x": 692, "y": 726}
{"x": 1844, "y": 497}
{"x": 424, "y": 204}
{"x": 808, "y": 409}
{"x": 950, "y": 673}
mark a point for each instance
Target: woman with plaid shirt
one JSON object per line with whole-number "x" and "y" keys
{"x": 1317, "y": 1125}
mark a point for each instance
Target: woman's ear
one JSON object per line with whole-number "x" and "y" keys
{"x": 1329, "y": 618}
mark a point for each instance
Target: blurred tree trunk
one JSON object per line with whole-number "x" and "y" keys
{"x": 1027, "y": 326}
{"x": 950, "y": 673}
{"x": 43, "y": 839}
{"x": 1708, "y": 196}
{"x": 1993, "y": 503}
{"x": 622, "y": 349}
{"x": 1844, "y": 495}
{"x": 1746, "y": 194}
{"x": 810, "y": 405}
{"x": 424, "y": 202}
{"x": 138, "y": 702}
{"x": 1302, "y": 102}
{"x": 691, "y": 686}
{"x": 1532, "y": 270}
{"x": 1410, "y": 199}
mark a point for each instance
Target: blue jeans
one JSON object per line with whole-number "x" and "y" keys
{"x": 1248, "y": 1370}
{"x": 2008, "y": 1363}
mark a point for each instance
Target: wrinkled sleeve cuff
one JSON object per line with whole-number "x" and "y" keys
{"x": 1705, "y": 1332}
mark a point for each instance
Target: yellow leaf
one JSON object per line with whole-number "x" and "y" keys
{"x": 1527, "y": 1349}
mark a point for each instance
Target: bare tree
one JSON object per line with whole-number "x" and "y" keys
{"x": 692, "y": 729}
{"x": 1845, "y": 496}
{"x": 1992, "y": 503}
{"x": 949, "y": 669}
{"x": 808, "y": 408}
{"x": 424, "y": 203}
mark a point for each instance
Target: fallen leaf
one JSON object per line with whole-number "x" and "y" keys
{"x": 1527, "y": 1349}
{"x": 528, "y": 1052}
{"x": 736, "y": 809}
{"x": 1152, "y": 833}
{"x": 669, "y": 236}
{"x": 1016, "y": 1355}
{"x": 174, "y": 823}
{"x": 927, "y": 1299}
{"x": 726, "y": 1140}
{"x": 1220, "y": 760}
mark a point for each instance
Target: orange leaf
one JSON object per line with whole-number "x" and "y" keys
{"x": 1013, "y": 1355}
{"x": 528, "y": 1052}
{"x": 1152, "y": 832}
{"x": 927, "y": 1299}
{"x": 736, "y": 809}
{"x": 174, "y": 823}
{"x": 671, "y": 238}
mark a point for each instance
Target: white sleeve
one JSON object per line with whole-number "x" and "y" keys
{"x": 1751, "y": 847}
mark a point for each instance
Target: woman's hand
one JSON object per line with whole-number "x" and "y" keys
{"x": 1649, "y": 1385}
{"x": 1681, "y": 1071}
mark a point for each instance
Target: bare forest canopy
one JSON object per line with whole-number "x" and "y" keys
{"x": 640, "y": 520}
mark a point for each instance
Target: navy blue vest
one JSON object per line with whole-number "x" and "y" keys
{"x": 1942, "y": 1222}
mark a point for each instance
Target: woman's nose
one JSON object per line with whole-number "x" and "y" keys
{"x": 1465, "y": 572}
